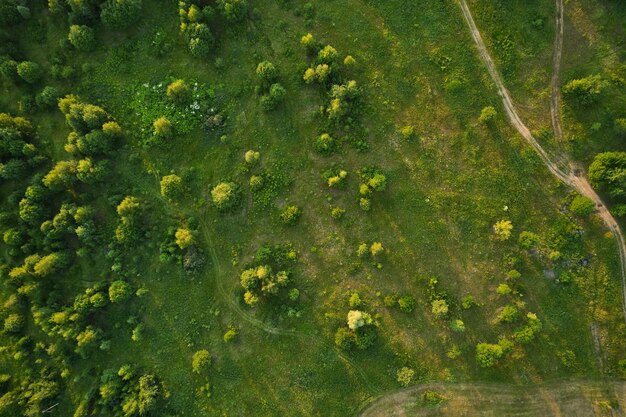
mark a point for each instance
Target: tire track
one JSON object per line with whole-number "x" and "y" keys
{"x": 570, "y": 177}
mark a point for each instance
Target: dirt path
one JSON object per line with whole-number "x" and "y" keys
{"x": 555, "y": 96}
{"x": 567, "y": 398}
{"x": 568, "y": 173}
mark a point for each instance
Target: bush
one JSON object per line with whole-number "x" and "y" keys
{"x": 48, "y": 97}
{"x": 163, "y": 128}
{"x": 275, "y": 96}
{"x": 233, "y": 10}
{"x": 619, "y": 125}
{"x": 200, "y": 361}
{"x": 29, "y": 71}
{"x": 377, "y": 249}
{"x": 266, "y": 72}
{"x": 337, "y": 213}
{"x": 503, "y": 229}
{"x": 405, "y": 376}
{"x": 14, "y": 323}
{"x": 325, "y": 143}
{"x": 358, "y": 319}
{"x": 345, "y": 339}
{"x": 528, "y": 240}
{"x": 406, "y": 303}
{"x": 457, "y": 326}
{"x": 440, "y": 308}
{"x": 355, "y": 300}
{"x": 230, "y": 334}
{"x": 251, "y": 157}
{"x": 178, "y": 91}
{"x": 582, "y": 206}
{"x": 290, "y": 215}
{"x": 349, "y": 61}
{"x": 487, "y": 114}
{"x": 327, "y": 55}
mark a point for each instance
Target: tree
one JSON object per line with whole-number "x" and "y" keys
{"x": 200, "y": 361}
{"x": 487, "y": 114}
{"x": 119, "y": 291}
{"x": 120, "y": 13}
{"x": 488, "y": 354}
{"x": 129, "y": 207}
{"x": 344, "y": 338}
{"x": 184, "y": 238}
{"x": 29, "y": 71}
{"x": 48, "y": 97}
{"x": 290, "y": 215}
{"x": 14, "y": 323}
{"x": 503, "y": 229}
{"x": 327, "y": 55}
{"x": 233, "y": 10}
{"x": 49, "y": 264}
{"x": 276, "y": 95}
{"x": 619, "y": 125}
{"x": 607, "y": 172}
{"x": 178, "y": 91}
{"x": 584, "y": 91}
{"x": 349, "y": 61}
{"x": 200, "y": 39}
{"x": 582, "y": 206}
{"x": 377, "y": 249}
{"x": 508, "y": 314}
{"x": 357, "y": 318}
{"x": 172, "y": 187}
{"x": 252, "y": 157}
{"x": 266, "y": 72}
{"x": 82, "y": 37}
{"x": 224, "y": 195}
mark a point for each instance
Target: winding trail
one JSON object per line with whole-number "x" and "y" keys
{"x": 568, "y": 174}
{"x": 372, "y": 386}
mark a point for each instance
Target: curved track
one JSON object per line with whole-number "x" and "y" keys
{"x": 570, "y": 178}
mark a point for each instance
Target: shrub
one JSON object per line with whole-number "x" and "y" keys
{"x": 184, "y": 238}
{"x": 200, "y": 361}
{"x": 256, "y": 182}
{"x": 377, "y": 249}
{"x": 365, "y": 204}
{"x": 163, "y": 128}
{"x": 48, "y": 97}
{"x": 528, "y": 240}
{"x": 440, "y": 308}
{"x": 178, "y": 91}
{"x": 468, "y": 302}
{"x": 344, "y": 338}
{"x": 432, "y": 398}
{"x": 407, "y": 132}
{"x": 275, "y": 96}
{"x": 582, "y": 206}
{"x": 325, "y": 143}
{"x": 224, "y": 195}
{"x": 129, "y": 207}
{"x": 404, "y": 376}
{"x": 327, "y": 55}
{"x": 362, "y": 250}
{"x": 619, "y": 125}
{"x": 252, "y": 157}
{"x": 503, "y": 289}
{"x": 337, "y": 213}
{"x": 230, "y": 334}
{"x": 487, "y": 114}
{"x": 457, "y": 326}
{"x": 308, "y": 41}
{"x": 119, "y": 291}
{"x": 355, "y": 300}
{"x": 82, "y": 37}
{"x": 349, "y": 61}
{"x": 29, "y": 71}
{"x": 406, "y": 303}
{"x": 503, "y": 229}
{"x": 172, "y": 187}
{"x": 293, "y": 294}
{"x": 508, "y": 314}
{"x": 290, "y": 214}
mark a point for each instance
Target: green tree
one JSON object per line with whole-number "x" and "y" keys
{"x": 29, "y": 71}
{"x": 120, "y": 13}
{"x": 14, "y": 323}
{"x": 584, "y": 91}
{"x": 225, "y": 195}
{"x": 119, "y": 291}
{"x": 82, "y": 37}
{"x": 487, "y": 114}
{"x": 290, "y": 215}
{"x": 178, "y": 91}
{"x": 582, "y": 206}
{"x": 528, "y": 240}
{"x": 233, "y": 10}
{"x": 503, "y": 229}
{"x": 405, "y": 376}
{"x": 163, "y": 128}
{"x": 488, "y": 354}
{"x": 184, "y": 238}
{"x": 266, "y": 72}
{"x": 406, "y": 303}
{"x": 607, "y": 172}
{"x": 172, "y": 187}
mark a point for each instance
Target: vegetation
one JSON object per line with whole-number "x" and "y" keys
{"x": 302, "y": 205}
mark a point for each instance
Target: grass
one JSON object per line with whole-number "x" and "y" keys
{"x": 416, "y": 65}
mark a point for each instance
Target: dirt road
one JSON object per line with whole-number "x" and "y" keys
{"x": 564, "y": 170}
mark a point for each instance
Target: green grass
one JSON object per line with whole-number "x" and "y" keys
{"x": 446, "y": 189}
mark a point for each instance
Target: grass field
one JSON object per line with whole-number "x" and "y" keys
{"x": 447, "y": 185}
